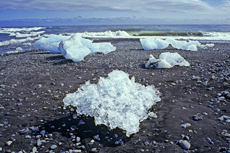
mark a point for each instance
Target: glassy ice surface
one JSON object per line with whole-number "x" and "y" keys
{"x": 116, "y": 101}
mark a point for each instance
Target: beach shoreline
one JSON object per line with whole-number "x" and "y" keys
{"x": 34, "y": 83}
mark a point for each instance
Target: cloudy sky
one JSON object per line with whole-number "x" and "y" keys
{"x": 215, "y": 11}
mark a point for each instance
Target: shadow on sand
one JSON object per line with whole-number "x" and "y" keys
{"x": 59, "y": 57}
{"x": 84, "y": 127}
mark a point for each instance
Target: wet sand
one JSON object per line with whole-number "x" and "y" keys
{"x": 33, "y": 85}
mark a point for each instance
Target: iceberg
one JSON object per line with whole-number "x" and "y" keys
{"x": 156, "y": 43}
{"x": 116, "y": 101}
{"x": 166, "y": 60}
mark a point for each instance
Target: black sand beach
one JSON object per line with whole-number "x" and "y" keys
{"x": 33, "y": 85}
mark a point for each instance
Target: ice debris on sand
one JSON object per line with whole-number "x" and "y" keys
{"x": 73, "y": 47}
{"x": 156, "y": 43}
{"x": 166, "y": 60}
{"x": 50, "y": 43}
{"x": 116, "y": 101}
{"x": 76, "y": 48}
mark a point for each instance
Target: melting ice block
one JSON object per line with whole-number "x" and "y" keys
{"x": 156, "y": 43}
{"x": 116, "y": 101}
{"x": 50, "y": 43}
{"x": 76, "y": 48}
{"x": 173, "y": 59}
{"x": 73, "y": 47}
{"x": 153, "y": 43}
{"x": 166, "y": 60}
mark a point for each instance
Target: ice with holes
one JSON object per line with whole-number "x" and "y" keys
{"x": 116, "y": 101}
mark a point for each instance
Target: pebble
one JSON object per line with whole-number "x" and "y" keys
{"x": 53, "y": 147}
{"x": 34, "y": 150}
{"x": 197, "y": 118}
{"x": 221, "y": 149}
{"x": 43, "y": 132}
{"x": 185, "y": 144}
{"x": 39, "y": 143}
{"x": 8, "y": 143}
{"x": 185, "y": 125}
{"x": 27, "y": 137}
{"x": 146, "y": 143}
{"x": 210, "y": 141}
{"x": 76, "y": 150}
{"x": 78, "y": 139}
{"x": 152, "y": 115}
{"x": 93, "y": 149}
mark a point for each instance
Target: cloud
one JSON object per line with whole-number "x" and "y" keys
{"x": 105, "y": 5}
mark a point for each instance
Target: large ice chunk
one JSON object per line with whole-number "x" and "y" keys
{"x": 173, "y": 59}
{"x": 156, "y": 43}
{"x": 166, "y": 60}
{"x": 153, "y": 43}
{"x": 50, "y": 43}
{"x": 73, "y": 47}
{"x": 76, "y": 48}
{"x": 116, "y": 101}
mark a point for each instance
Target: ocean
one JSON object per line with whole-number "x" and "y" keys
{"x": 21, "y": 39}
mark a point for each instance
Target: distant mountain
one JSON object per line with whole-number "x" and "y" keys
{"x": 100, "y": 21}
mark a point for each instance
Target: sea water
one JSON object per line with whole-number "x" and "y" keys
{"x": 22, "y": 38}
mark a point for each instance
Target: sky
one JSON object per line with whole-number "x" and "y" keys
{"x": 198, "y": 11}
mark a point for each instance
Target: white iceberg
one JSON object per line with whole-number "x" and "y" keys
{"x": 156, "y": 43}
{"x": 116, "y": 101}
{"x": 166, "y": 60}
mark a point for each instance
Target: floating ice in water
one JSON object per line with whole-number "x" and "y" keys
{"x": 50, "y": 43}
{"x": 73, "y": 47}
{"x": 156, "y": 43}
{"x": 166, "y": 60}
{"x": 116, "y": 101}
